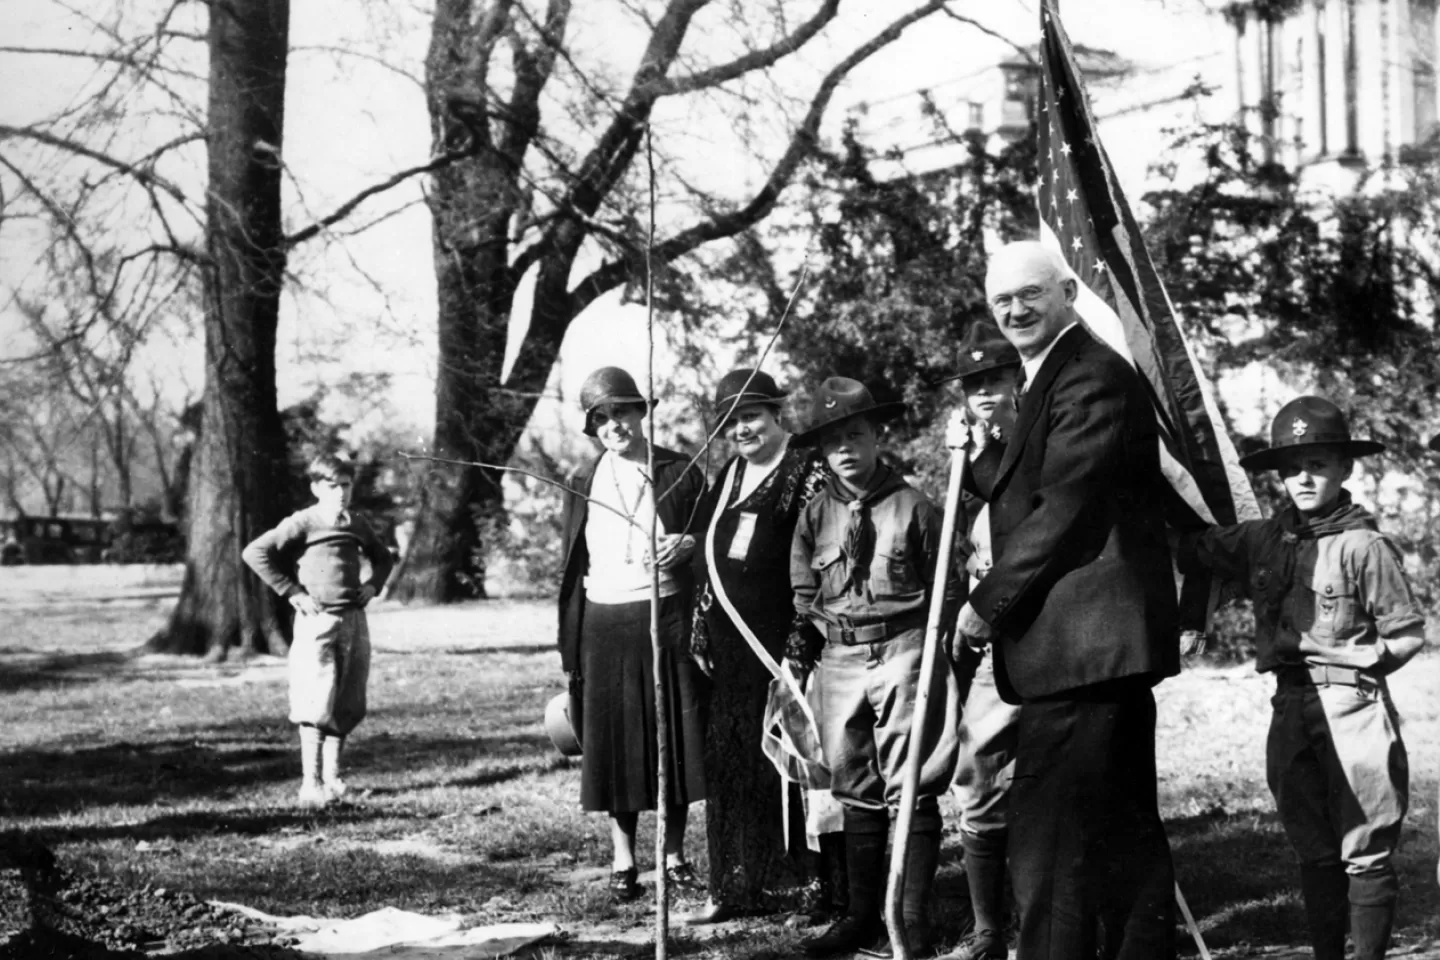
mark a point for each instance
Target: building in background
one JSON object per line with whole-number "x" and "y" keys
{"x": 1337, "y": 86}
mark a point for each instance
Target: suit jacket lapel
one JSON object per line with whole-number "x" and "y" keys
{"x": 1033, "y": 401}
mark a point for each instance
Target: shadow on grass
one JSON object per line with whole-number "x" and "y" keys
{"x": 44, "y": 782}
{"x": 546, "y": 646}
{"x": 1241, "y": 880}
{"x": 235, "y": 757}
{"x": 59, "y": 670}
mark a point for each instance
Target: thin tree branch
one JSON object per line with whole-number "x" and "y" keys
{"x": 147, "y": 177}
{"x": 1021, "y": 49}
{"x": 346, "y": 208}
{"x": 750, "y": 62}
{"x": 615, "y": 272}
{"x": 369, "y": 58}
{"x": 543, "y": 479}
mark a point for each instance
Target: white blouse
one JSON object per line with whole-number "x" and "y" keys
{"x": 617, "y": 549}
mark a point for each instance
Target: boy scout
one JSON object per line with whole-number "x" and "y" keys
{"x": 1334, "y": 616}
{"x": 987, "y": 368}
{"x": 862, "y": 562}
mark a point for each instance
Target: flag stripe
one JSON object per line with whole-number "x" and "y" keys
{"x": 1103, "y": 322}
{"x": 1122, "y": 299}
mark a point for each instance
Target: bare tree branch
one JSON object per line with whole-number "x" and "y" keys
{"x": 370, "y": 58}
{"x": 750, "y": 62}
{"x": 1021, "y": 49}
{"x": 147, "y": 177}
{"x": 615, "y": 272}
{"x": 394, "y": 180}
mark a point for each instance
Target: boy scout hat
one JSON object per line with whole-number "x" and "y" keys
{"x": 608, "y": 385}
{"x": 1308, "y": 422}
{"x": 982, "y": 348}
{"x": 745, "y": 386}
{"x": 838, "y": 399}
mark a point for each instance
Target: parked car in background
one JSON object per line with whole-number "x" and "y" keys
{"x": 55, "y": 540}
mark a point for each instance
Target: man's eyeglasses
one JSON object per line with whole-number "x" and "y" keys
{"x": 1026, "y": 295}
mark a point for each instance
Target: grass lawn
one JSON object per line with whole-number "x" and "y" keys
{"x": 165, "y": 771}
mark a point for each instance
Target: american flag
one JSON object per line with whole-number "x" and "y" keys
{"x": 1121, "y": 299}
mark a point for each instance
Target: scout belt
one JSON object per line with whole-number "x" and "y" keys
{"x": 1322, "y": 675}
{"x": 848, "y": 634}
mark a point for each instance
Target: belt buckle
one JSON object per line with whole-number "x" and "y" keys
{"x": 847, "y": 630}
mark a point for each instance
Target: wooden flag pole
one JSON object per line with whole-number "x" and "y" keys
{"x": 910, "y": 784}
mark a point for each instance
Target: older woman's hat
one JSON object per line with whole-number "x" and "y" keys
{"x": 1308, "y": 422}
{"x": 982, "y": 348}
{"x": 607, "y": 385}
{"x": 739, "y": 388}
{"x": 558, "y": 727}
{"x": 838, "y": 399}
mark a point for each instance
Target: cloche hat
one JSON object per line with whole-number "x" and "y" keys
{"x": 1308, "y": 422}
{"x": 838, "y": 399}
{"x": 608, "y": 385}
{"x": 744, "y": 386}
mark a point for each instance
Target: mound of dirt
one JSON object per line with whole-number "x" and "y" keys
{"x": 54, "y": 913}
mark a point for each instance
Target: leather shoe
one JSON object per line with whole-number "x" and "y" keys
{"x": 846, "y": 935}
{"x": 980, "y": 945}
{"x": 624, "y": 885}
{"x": 681, "y": 876}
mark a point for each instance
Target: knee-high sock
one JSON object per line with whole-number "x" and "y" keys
{"x": 330, "y": 747}
{"x": 985, "y": 874}
{"x": 1325, "y": 889}
{"x": 1372, "y": 913}
{"x": 310, "y": 737}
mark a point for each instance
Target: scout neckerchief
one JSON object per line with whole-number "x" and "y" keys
{"x": 859, "y": 546}
{"x": 1295, "y": 528}
{"x": 791, "y": 739}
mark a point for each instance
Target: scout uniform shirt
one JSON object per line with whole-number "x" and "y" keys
{"x": 863, "y": 564}
{"x": 861, "y": 569}
{"x": 1326, "y": 592}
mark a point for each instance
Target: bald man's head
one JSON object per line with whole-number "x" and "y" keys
{"x": 1031, "y": 292}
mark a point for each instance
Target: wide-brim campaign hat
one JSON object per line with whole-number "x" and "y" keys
{"x": 1308, "y": 422}
{"x": 608, "y": 385}
{"x": 740, "y": 388}
{"x": 838, "y": 399}
{"x": 982, "y": 348}
{"x": 558, "y": 727}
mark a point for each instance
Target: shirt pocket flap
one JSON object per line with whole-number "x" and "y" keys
{"x": 824, "y": 556}
{"x": 892, "y": 573}
{"x": 1335, "y": 605}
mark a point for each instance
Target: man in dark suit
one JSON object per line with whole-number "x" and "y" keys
{"x": 1080, "y": 607}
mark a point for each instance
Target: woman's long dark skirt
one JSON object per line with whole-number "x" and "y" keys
{"x": 618, "y": 764}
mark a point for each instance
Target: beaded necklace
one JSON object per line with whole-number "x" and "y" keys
{"x": 630, "y": 512}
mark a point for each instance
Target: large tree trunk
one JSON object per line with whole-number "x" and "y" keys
{"x": 237, "y": 486}
{"x": 476, "y": 419}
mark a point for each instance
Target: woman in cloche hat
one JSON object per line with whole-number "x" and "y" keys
{"x": 605, "y": 644}
{"x": 763, "y": 489}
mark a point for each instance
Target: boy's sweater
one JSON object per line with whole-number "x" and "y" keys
{"x": 313, "y": 552}
{"x": 1327, "y": 591}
